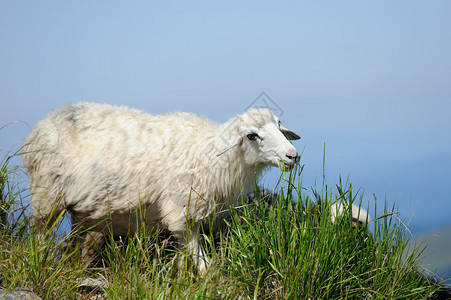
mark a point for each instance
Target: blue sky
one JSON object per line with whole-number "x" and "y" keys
{"x": 372, "y": 80}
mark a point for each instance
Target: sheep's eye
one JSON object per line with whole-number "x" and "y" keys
{"x": 252, "y": 136}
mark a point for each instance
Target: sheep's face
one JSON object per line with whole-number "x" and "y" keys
{"x": 265, "y": 141}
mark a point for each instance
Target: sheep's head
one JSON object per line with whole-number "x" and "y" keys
{"x": 263, "y": 140}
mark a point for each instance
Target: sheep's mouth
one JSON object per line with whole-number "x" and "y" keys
{"x": 284, "y": 166}
{"x": 288, "y": 167}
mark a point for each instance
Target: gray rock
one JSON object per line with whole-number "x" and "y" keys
{"x": 19, "y": 294}
{"x": 92, "y": 284}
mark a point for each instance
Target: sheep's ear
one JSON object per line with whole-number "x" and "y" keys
{"x": 289, "y": 134}
{"x": 234, "y": 141}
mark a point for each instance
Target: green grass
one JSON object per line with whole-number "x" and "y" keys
{"x": 284, "y": 253}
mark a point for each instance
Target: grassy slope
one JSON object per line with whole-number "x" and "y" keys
{"x": 287, "y": 253}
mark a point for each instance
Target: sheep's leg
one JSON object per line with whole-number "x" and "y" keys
{"x": 45, "y": 221}
{"x": 93, "y": 238}
{"x": 46, "y": 217}
{"x": 189, "y": 241}
{"x": 199, "y": 256}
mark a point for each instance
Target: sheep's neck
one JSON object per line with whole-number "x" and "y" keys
{"x": 235, "y": 177}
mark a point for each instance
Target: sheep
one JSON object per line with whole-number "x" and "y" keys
{"x": 108, "y": 163}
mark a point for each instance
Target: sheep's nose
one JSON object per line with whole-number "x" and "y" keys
{"x": 292, "y": 154}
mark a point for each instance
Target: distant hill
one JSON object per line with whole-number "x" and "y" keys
{"x": 437, "y": 255}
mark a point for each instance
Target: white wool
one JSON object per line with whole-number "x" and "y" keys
{"x": 359, "y": 215}
{"x": 105, "y": 162}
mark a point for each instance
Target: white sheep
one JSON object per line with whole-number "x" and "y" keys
{"x": 102, "y": 162}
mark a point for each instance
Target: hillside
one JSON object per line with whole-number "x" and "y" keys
{"x": 437, "y": 255}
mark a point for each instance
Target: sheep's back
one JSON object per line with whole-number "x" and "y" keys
{"x": 102, "y": 159}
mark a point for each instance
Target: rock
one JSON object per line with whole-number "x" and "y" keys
{"x": 19, "y": 294}
{"x": 92, "y": 284}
